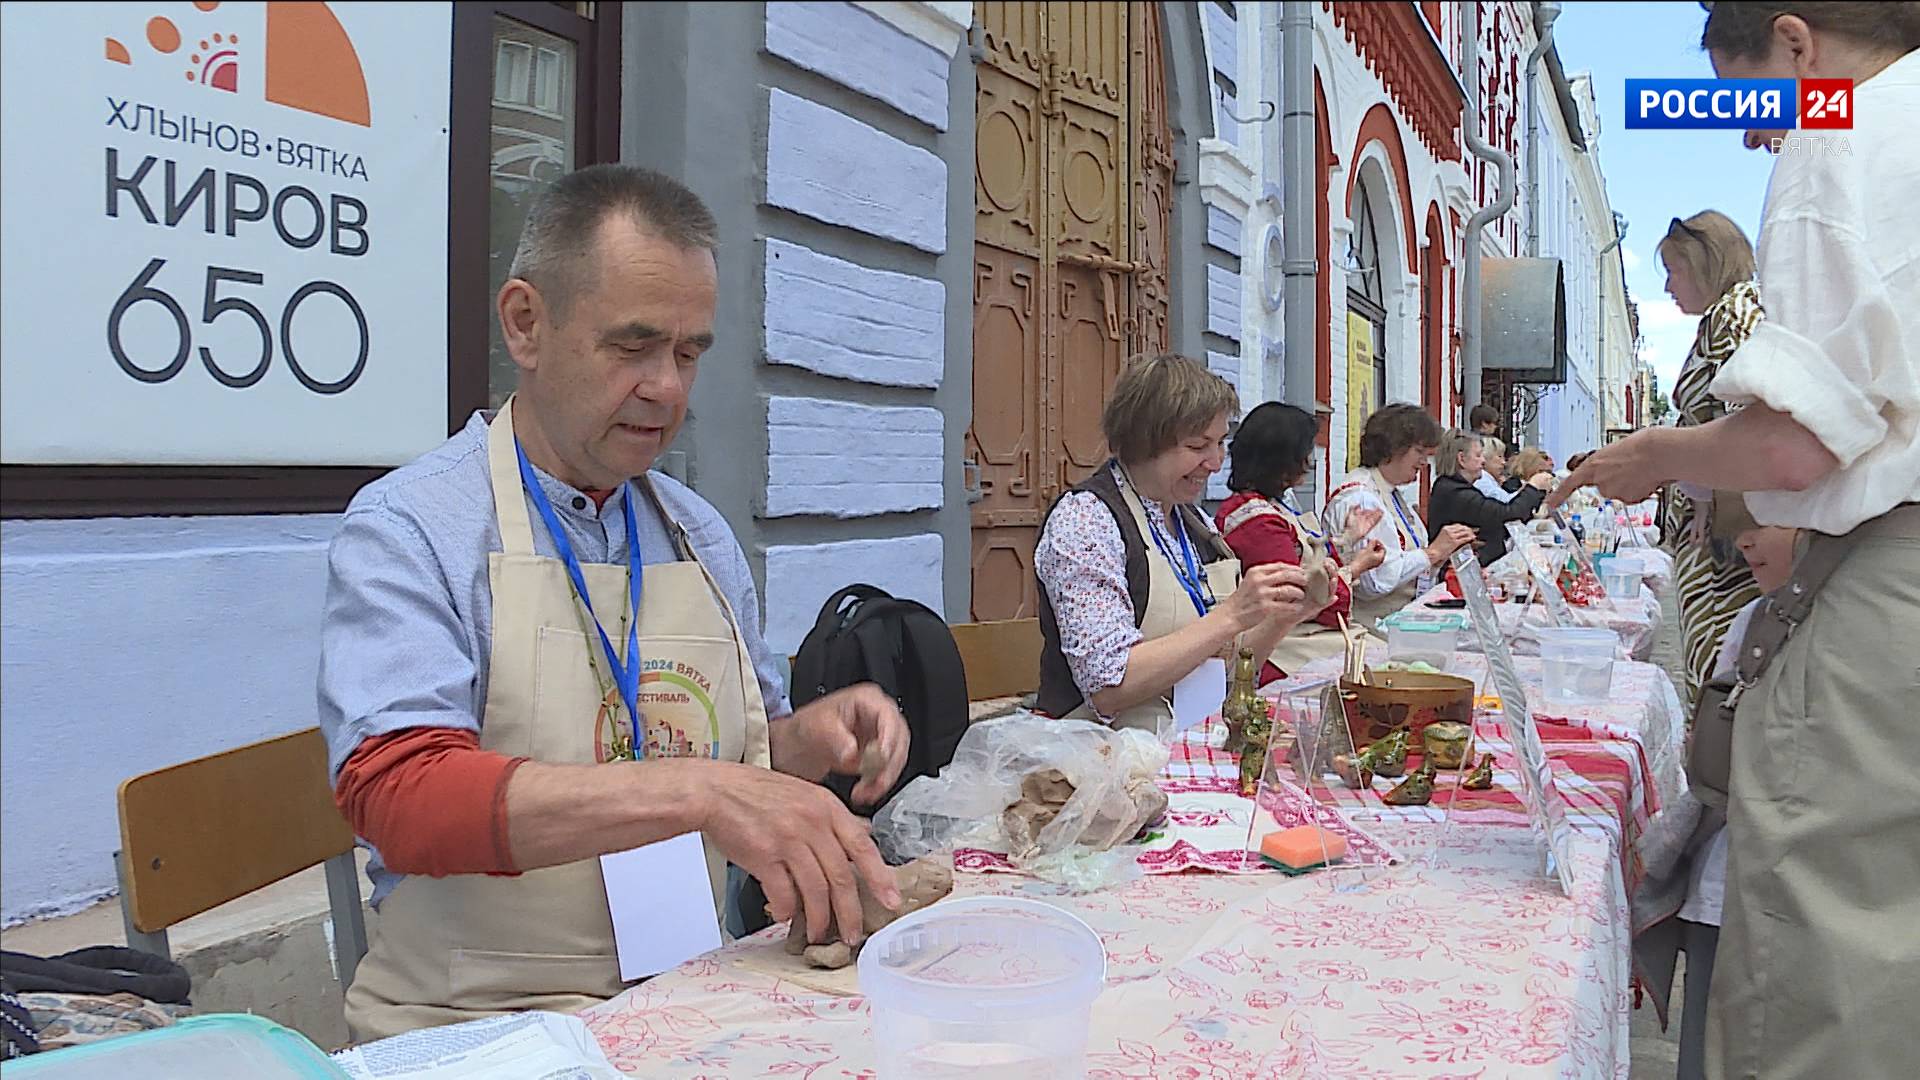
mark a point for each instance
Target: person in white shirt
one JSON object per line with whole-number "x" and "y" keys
{"x": 1395, "y": 442}
{"x": 1494, "y": 471}
{"x": 1819, "y": 959}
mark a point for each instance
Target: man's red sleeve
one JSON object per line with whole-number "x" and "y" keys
{"x": 431, "y": 800}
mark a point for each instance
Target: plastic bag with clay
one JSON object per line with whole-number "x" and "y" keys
{"x": 1058, "y": 796}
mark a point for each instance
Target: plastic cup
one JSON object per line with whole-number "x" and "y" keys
{"x": 983, "y": 987}
{"x": 1577, "y": 663}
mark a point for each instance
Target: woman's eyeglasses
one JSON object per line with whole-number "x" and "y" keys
{"x": 1685, "y": 229}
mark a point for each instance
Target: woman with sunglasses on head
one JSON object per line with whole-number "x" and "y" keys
{"x": 1709, "y": 268}
{"x": 1818, "y": 963}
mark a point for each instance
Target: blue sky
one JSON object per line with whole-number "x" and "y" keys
{"x": 1655, "y": 176}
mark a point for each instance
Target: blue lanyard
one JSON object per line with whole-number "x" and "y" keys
{"x": 1186, "y": 568}
{"x": 1401, "y": 510}
{"x": 1299, "y": 517}
{"x": 626, "y": 676}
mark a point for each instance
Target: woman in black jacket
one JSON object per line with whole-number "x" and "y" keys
{"x": 1457, "y": 502}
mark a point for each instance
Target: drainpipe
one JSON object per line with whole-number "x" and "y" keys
{"x": 1300, "y": 265}
{"x": 1619, "y": 234}
{"x": 1544, "y": 16}
{"x": 1502, "y": 202}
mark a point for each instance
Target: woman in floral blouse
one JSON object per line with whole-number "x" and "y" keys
{"x": 1137, "y": 591}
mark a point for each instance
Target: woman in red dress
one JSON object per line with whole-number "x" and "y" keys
{"x": 1271, "y": 452}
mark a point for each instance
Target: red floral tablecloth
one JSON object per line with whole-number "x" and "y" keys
{"x": 1468, "y": 963}
{"x": 1462, "y": 959}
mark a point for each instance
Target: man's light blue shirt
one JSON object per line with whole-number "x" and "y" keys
{"x": 408, "y": 625}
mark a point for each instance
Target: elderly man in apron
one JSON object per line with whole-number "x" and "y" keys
{"x": 550, "y": 710}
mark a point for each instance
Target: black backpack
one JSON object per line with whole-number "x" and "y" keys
{"x": 865, "y": 635}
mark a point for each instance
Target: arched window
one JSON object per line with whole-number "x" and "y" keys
{"x": 1366, "y": 289}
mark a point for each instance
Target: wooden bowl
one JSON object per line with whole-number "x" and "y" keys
{"x": 1404, "y": 700}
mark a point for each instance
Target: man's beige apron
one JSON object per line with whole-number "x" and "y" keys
{"x": 1168, "y": 609}
{"x": 454, "y": 948}
{"x": 1368, "y": 611}
{"x": 1310, "y": 640}
{"x": 1817, "y": 973}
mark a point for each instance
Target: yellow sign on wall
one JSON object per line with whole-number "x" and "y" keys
{"x": 1359, "y": 382}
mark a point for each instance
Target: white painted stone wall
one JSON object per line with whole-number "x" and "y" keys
{"x": 826, "y": 312}
{"x": 131, "y": 644}
{"x": 839, "y": 318}
{"x": 801, "y": 577}
{"x": 843, "y": 460}
{"x": 833, "y": 168}
{"x": 864, "y": 52}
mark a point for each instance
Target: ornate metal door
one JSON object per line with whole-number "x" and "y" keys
{"x": 1070, "y": 265}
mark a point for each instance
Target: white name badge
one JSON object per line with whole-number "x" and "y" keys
{"x": 1200, "y": 695}
{"x": 662, "y": 905}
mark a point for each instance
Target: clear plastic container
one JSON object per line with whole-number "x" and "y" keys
{"x": 223, "y": 1047}
{"x": 1577, "y": 662}
{"x": 1621, "y": 582}
{"x": 984, "y": 987}
{"x": 1421, "y": 636}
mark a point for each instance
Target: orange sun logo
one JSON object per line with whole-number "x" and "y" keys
{"x": 311, "y": 64}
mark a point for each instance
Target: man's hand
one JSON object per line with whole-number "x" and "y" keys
{"x": 1359, "y": 524}
{"x": 831, "y": 735}
{"x": 1629, "y": 470}
{"x": 803, "y": 846}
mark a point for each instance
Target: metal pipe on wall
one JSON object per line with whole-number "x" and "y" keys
{"x": 1300, "y": 265}
{"x": 1543, "y": 17}
{"x": 1470, "y": 372}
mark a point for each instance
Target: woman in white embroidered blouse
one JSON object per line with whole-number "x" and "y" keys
{"x": 1137, "y": 589}
{"x": 1395, "y": 442}
{"x": 1819, "y": 961}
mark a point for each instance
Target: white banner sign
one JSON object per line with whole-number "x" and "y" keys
{"x": 223, "y": 232}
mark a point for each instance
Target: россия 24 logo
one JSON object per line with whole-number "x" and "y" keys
{"x": 1740, "y": 104}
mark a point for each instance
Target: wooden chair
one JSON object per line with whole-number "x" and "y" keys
{"x": 1002, "y": 659}
{"x": 197, "y": 835}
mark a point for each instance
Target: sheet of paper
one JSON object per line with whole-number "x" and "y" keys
{"x": 662, "y": 905}
{"x": 522, "y": 1046}
{"x": 1200, "y": 695}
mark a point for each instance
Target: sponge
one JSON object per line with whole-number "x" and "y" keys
{"x": 1303, "y": 846}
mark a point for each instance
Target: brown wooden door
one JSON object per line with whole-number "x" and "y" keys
{"x": 1070, "y": 265}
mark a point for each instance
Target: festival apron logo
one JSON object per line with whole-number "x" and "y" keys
{"x": 310, "y": 63}
{"x": 677, "y": 714}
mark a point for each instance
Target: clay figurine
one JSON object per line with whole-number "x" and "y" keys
{"x": 1355, "y": 770}
{"x": 1240, "y": 701}
{"x": 1253, "y": 757}
{"x": 1415, "y": 790}
{"x": 1481, "y": 778}
{"x": 1389, "y": 755}
{"x": 1319, "y": 571}
{"x": 1448, "y": 744}
{"x": 921, "y": 882}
